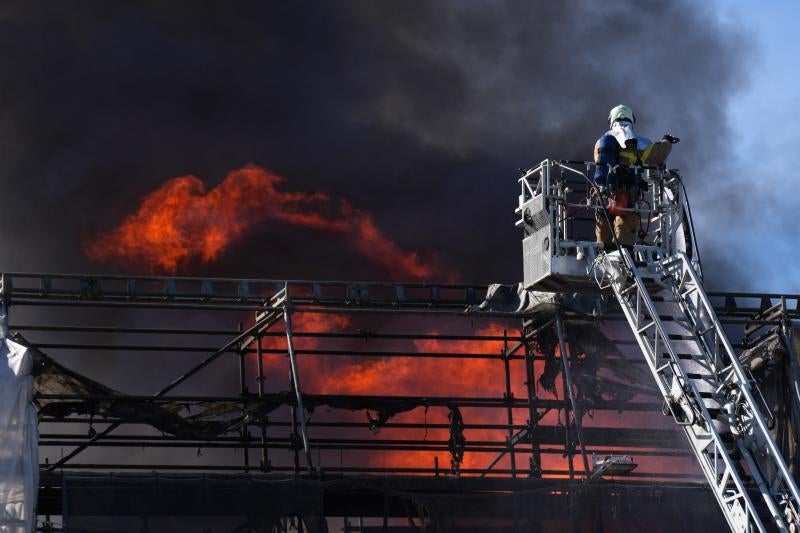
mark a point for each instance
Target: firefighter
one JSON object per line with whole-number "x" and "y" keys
{"x": 615, "y": 153}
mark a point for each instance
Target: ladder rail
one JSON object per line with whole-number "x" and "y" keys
{"x": 737, "y": 506}
{"x": 744, "y": 384}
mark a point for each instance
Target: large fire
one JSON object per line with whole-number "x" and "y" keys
{"x": 409, "y": 376}
{"x": 183, "y": 221}
{"x": 435, "y": 371}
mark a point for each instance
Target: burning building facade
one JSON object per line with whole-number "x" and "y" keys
{"x": 394, "y": 406}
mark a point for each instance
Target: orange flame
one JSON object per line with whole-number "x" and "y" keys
{"x": 413, "y": 376}
{"x": 182, "y": 221}
{"x": 424, "y": 376}
{"x": 437, "y": 377}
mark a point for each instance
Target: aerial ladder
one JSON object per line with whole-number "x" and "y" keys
{"x": 657, "y": 284}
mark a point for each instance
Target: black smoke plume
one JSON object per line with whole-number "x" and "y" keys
{"x": 419, "y": 112}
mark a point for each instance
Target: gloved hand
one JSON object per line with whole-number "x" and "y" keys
{"x": 670, "y": 139}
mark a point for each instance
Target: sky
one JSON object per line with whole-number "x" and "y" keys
{"x": 401, "y": 127}
{"x": 764, "y": 158}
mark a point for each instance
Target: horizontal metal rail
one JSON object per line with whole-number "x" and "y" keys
{"x": 655, "y": 447}
{"x": 283, "y": 444}
{"x": 555, "y": 473}
{"x": 374, "y": 402}
{"x": 158, "y": 291}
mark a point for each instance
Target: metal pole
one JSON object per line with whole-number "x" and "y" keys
{"x": 576, "y": 414}
{"x": 262, "y": 423}
{"x": 287, "y": 320}
{"x": 293, "y": 436}
{"x": 567, "y": 437}
{"x": 533, "y": 421}
{"x": 510, "y": 411}
{"x": 244, "y": 432}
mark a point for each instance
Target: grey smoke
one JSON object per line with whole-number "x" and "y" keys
{"x": 418, "y": 112}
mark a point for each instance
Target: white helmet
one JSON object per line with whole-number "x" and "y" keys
{"x": 621, "y": 112}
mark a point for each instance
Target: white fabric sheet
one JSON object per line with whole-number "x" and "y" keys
{"x": 19, "y": 457}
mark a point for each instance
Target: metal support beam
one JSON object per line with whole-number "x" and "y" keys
{"x": 576, "y": 413}
{"x": 533, "y": 400}
{"x": 510, "y": 397}
{"x": 263, "y": 422}
{"x": 301, "y": 412}
{"x": 244, "y": 431}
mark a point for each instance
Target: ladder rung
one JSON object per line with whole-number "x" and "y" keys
{"x": 667, "y": 306}
{"x": 683, "y": 356}
{"x": 659, "y": 298}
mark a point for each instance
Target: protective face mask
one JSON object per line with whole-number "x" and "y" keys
{"x": 622, "y": 130}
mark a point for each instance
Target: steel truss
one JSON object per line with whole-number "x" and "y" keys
{"x": 695, "y": 367}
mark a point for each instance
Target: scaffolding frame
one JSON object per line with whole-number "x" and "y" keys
{"x": 263, "y": 445}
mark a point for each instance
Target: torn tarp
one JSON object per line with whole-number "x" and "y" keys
{"x": 187, "y": 420}
{"x": 203, "y": 420}
{"x": 514, "y": 299}
{"x": 52, "y": 378}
